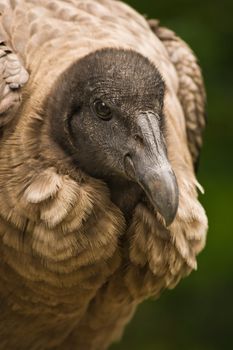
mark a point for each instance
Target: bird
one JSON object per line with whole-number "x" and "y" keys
{"x": 102, "y": 113}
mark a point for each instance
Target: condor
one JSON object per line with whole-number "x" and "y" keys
{"x": 101, "y": 120}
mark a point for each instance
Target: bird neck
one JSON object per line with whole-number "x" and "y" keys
{"x": 125, "y": 195}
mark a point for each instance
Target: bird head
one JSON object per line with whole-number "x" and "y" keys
{"x": 107, "y": 114}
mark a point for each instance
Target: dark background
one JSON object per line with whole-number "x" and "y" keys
{"x": 198, "y": 314}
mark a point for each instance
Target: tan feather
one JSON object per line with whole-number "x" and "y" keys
{"x": 191, "y": 91}
{"x": 71, "y": 265}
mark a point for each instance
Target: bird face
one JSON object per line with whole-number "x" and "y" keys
{"x": 106, "y": 112}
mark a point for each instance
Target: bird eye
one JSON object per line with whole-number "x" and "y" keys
{"x": 102, "y": 110}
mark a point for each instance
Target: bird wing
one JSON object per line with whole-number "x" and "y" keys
{"x": 13, "y": 75}
{"x": 191, "y": 90}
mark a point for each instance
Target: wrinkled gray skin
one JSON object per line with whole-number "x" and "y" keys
{"x": 128, "y": 150}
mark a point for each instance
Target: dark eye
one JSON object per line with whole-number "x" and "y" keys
{"x": 102, "y": 110}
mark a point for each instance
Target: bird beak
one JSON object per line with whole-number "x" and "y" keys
{"x": 148, "y": 165}
{"x": 161, "y": 189}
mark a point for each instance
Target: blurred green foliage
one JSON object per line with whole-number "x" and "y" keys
{"x": 198, "y": 314}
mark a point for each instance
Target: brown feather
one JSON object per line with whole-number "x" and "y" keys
{"x": 191, "y": 90}
{"x": 72, "y": 269}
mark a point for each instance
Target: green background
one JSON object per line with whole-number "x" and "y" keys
{"x": 198, "y": 314}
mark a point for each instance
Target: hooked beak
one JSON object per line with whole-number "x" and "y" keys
{"x": 149, "y": 167}
{"x": 162, "y": 190}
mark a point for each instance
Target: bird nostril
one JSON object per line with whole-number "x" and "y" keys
{"x": 138, "y": 139}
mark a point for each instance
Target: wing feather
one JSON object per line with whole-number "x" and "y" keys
{"x": 13, "y": 75}
{"x": 191, "y": 90}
